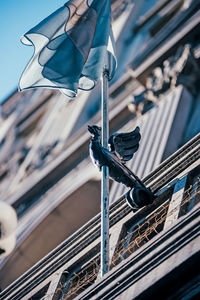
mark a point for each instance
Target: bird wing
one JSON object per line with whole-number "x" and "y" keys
{"x": 125, "y": 144}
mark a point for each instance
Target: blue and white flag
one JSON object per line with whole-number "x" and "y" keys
{"x": 72, "y": 46}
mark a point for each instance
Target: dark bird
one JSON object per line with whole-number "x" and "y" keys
{"x": 122, "y": 148}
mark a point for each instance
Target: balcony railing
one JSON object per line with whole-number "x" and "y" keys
{"x": 75, "y": 262}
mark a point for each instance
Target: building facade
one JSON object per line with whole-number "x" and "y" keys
{"x": 46, "y": 173}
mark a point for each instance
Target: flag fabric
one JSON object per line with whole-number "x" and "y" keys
{"x": 71, "y": 47}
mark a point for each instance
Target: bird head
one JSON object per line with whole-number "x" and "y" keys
{"x": 94, "y": 130}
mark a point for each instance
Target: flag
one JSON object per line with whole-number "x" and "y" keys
{"x": 71, "y": 47}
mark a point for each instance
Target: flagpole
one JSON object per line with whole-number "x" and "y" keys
{"x": 104, "y": 180}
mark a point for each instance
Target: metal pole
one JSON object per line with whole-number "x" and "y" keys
{"x": 104, "y": 180}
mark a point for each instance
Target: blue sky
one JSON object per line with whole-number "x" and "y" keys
{"x": 17, "y": 17}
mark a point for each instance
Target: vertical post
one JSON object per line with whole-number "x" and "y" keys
{"x": 104, "y": 180}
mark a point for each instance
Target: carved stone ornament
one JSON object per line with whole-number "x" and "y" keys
{"x": 182, "y": 68}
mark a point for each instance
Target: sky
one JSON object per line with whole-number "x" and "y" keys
{"x": 16, "y": 18}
